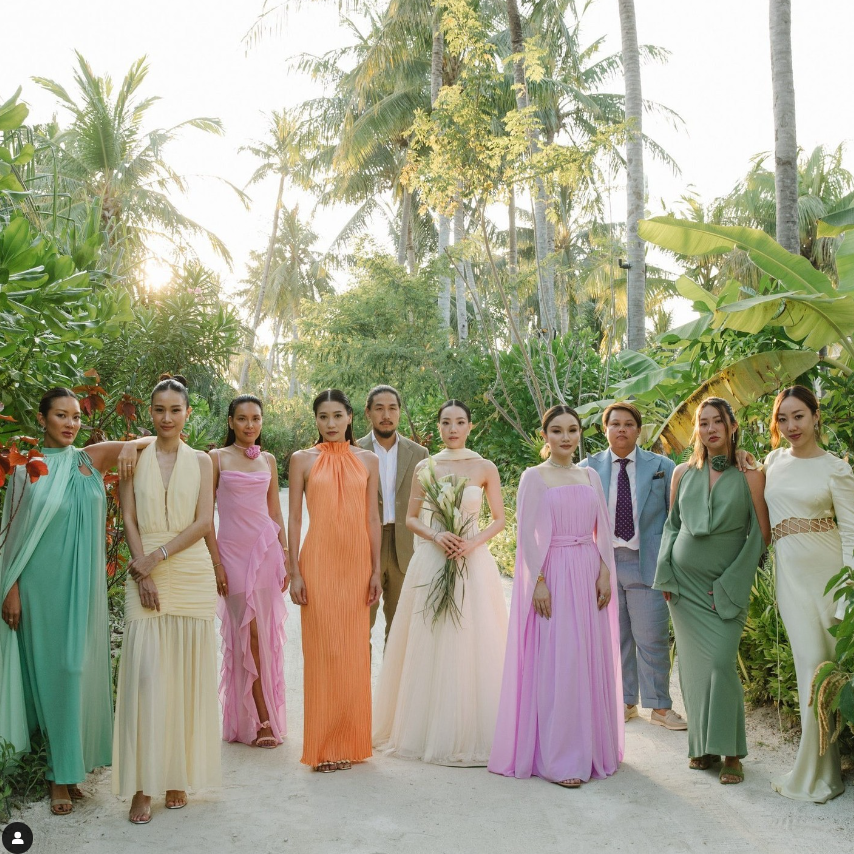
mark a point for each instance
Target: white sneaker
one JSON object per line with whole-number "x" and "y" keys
{"x": 630, "y": 712}
{"x": 669, "y": 720}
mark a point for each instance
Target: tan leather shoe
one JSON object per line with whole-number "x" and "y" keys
{"x": 669, "y": 720}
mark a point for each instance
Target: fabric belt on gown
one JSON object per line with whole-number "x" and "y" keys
{"x": 570, "y": 540}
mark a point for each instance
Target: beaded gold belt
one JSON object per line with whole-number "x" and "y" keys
{"x": 801, "y": 526}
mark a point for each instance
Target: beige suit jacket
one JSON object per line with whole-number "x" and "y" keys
{"x": 409, "y": 453}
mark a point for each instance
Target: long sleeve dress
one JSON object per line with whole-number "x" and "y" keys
{"x": 248, "y": 543}
{"x": 812, "y": 488}
{"x": 560, "y": 715}
{"x": 335, "y": 562}
{"x": 167, "y": 733}
{"x": 55, "y": 669}
{"x": 710, "y": 551}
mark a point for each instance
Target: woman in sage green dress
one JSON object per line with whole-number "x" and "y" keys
{"x": 712, "y": 543}
{"x": 54, "y": 638}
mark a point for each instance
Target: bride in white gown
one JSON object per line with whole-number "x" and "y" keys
{"x": 437, "y": 695}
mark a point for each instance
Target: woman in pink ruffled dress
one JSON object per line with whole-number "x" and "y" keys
{"x": 560, "y": 715}
{"x": 248, "y": 552}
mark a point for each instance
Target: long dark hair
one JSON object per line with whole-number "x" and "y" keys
{"x": 336, "y": 396}
{"x": 454, "y": 402}
{"x": 805, "y": 396}
{"x": 700, "y": 452}
{"x": 549, "y": 416}
{"x": 232, "y": 408}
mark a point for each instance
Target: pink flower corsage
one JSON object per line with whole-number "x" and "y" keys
{"x": 253, "y": 452}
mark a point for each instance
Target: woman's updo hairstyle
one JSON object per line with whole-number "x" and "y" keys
{"x": 232, "y": 408}
{"x": 454, "y": 402}
{"x": 172, "y": 383}
{"x": 549, "y": 416}
{"x": 336, "y": 396}
{"x": 46, "y": 403}
{"x": 805, "y": 396}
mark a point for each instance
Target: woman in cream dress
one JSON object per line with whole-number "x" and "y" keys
{"x": 438, "y": 691}
{"x": 810, "y": 496}
{"x": 167, "y": 714}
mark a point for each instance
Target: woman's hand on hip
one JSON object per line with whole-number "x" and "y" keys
{"x": 11, "y": 612}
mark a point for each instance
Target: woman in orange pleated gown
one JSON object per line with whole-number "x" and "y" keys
{"x": 335, "y": 578}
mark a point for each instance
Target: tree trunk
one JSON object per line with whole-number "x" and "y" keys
{"x": 437, "y": 61}
{"x": 271, "y": 357}
{"x": 513, "y": 256}
{"x": 636, "y": 274}
{"x": 545, "y": 271}
{"x": 262, "y": 291}
{"x": 459, "y": 282}
{"x": 785, "y": 138}
{"x": 293, "y": 385}
{"x": 403, "y": 238}
{"x": 410, "y": 240}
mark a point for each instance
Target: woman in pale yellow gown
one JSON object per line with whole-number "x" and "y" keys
{"x": 167, "y": 733}
{"x": 810, "y": 497}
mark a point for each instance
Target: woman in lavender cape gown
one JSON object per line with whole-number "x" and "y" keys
{"x": 560, "y": 714}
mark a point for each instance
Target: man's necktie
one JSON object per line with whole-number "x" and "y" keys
{"x": 624, "y": 523}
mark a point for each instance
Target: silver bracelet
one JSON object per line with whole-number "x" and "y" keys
{"x": 164, "y": 552}
{"x": 433, "y": 539}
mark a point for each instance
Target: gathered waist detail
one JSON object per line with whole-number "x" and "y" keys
{"x": 561, "y": 540}
{"x": 795, "y": 525}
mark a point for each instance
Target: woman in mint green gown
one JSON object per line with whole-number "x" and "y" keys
{"x": 710, "y": 549}
{"x": 54, "y": 638}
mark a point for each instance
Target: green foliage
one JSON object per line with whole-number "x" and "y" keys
{"x": 288, "y": 426}
{"x": 765, "y": 656}
{"x": 22, "y": 777}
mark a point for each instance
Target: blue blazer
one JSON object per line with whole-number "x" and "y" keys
{"x": 652, "y": 492}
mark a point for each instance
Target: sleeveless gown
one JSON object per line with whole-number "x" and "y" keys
{"x": 710, "y": 551}
{"x": 335, "y": 562}
{"x": 814, "y": 488}
{"x": 438, "y": 690}
{"x": 560, "y": 716}
{"x": 63, "y": 638}
{"x": 248, "y": 542}
{"x": 167, "y": 717}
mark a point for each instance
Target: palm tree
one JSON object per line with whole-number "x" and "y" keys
{"x": 785, "y": 136}
{"x": 279, "y": 154}
{"x": 634, "y": 176}
{"x": 105, "y": 155}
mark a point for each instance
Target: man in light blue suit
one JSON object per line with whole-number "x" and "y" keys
{"x": 637, "y": 488}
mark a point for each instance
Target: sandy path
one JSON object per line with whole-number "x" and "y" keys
{"x": 271, "y": 803}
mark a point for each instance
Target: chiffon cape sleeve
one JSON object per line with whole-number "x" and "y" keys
{"x": 665, "y": 578}
{"x": 731, "y": 592}
{"x": 35, "y": 504}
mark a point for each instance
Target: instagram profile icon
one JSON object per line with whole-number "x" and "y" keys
{"x": 17, "y": 837}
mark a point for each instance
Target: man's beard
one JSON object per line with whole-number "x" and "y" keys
{"x": 384, "y": 434}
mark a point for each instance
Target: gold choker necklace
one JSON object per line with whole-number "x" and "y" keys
{"x": 551, "y": 462}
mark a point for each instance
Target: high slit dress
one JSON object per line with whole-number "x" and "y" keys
{"x": 167, "y": 733}
{"x": 249, "y": 548}
{"x": 335, "y": 563}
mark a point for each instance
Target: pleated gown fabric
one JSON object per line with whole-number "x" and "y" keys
{"x": 167, "y": 733}
{"x": 335, "y": 563}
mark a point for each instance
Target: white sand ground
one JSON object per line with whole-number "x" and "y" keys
{"x": 271, "y": 803}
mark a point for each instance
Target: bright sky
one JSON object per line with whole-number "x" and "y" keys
{"x": 718, "y": 80}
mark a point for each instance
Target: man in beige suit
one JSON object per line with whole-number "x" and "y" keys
{"x": 398, "y": 457}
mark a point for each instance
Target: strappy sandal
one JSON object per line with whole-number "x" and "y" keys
{"x": 59, "y": 802}
{"x": 737, "y": 772}
{"x": 266, "y": 741}
{"x": 572, "y": 783}
{"x": 180, "y": 805}
{"x": 143, "y": 819}
{"x": 76, "y": 793}
{"x": 326, "y": 767}
{"x": 344, "y": 765}
{"x": 704, "y": 762}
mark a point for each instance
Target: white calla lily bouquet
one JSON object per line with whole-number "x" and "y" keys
{"x": 443, "y": 497}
